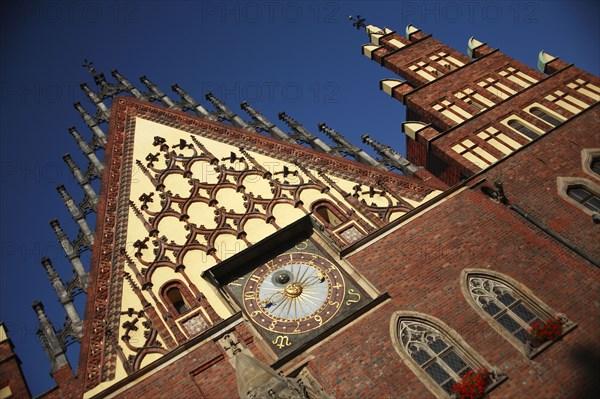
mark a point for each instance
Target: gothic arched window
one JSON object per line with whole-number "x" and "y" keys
{"x": 328, "y": 213}
{"x": 509, "y": 307}
{"x": 435, "y": 353}
{"x": 595, "y": 164}
{"x": 521, "y": 128}
{"x": 176, "y": 297}
{"x": 584, "y": 196}
{"x": 545, "y": 116}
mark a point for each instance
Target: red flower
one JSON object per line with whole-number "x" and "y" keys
{"x": 472, "y": 385}
{"x": 545, "y": 331}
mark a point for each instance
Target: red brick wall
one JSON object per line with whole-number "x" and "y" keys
{"x": 530, "y": 179}
{"x": 10, "y": 372}
{"x": 467, "y": 231}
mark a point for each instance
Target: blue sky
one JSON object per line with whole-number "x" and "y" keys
{"x": 301, "y": 57}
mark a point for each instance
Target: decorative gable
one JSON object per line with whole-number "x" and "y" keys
{"x": 182, "y": 194}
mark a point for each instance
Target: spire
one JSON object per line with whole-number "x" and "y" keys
{"x": 257, "y": 380}
{"x": 390, "y": 156}
{"x": 50, "y": 342}
{"x": 87, "y": 151}
{"x": 227, "y": 113}
{"x": 264, "y": 123}
{"x": 347, "y": 147}
{"x": 304, "y": 136}
{"x": 193, "y": 104}
{"x": 92, "y": 124}
{"x": 83, "y": 181}
{"x": 96, "y": 100}
{"x": 65, "y": 298}
{"x": 78, "y": 215}
{"x": 157, "y": 92}
{"x": 126, "y": 84}
{"x": 72, "y": 255}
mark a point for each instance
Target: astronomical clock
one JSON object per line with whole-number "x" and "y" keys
{"x": 296, "y": 296}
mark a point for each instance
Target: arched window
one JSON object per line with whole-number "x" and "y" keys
{"x": 177, "y": 297}
{"x": 590, "y": 162}
{"x": 545, "y": 116}
{"x": 328, "y": 213}
{"x": 435, "y": 353}
{"x": 584, "y": 196}
{"x": 519, "y": 127}
{"x": 509, "y": 307}
{"x": 595, "y": 164}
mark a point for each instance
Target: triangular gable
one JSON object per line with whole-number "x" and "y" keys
{"x": 181, "y": 194}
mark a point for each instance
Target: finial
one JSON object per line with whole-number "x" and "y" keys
{"x": 358, "y": 22}
{"x": 88, "y": 64}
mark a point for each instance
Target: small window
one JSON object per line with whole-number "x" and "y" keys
{"x": 543, "y": 115}
{"x": 519, "y": 127}
{"x": 329, "y": 214}
{"x": 176, "y": 299}
{"x": 595, "y": 165}
{"x": 585, "y": 197}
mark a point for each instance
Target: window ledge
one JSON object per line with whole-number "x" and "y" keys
{"x": 497, "y": 376}
{"x": 532, "y": 352}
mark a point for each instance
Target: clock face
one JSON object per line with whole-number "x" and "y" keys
{"x": 294, "y": 293}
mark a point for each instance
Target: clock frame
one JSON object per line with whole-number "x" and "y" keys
{"x": 309, "y": 293}
{"x": 299, "y": 247}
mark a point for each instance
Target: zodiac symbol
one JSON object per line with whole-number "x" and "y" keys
{"x": 351, "y": 301}
{"x": 281, "y": 341}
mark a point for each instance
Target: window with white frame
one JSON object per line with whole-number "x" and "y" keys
{"x": 446, "y": 60}
{"x": 425, "y": 70}
{"x": 474, "y": 99}
{"x": 497, "y": 88}
{"x": 452, "y": 111}
{"x": 586, "y": 88}
{"x": 474, "y": 153}
{"x": 522, "y": 127}
{"x": 517, "y": 77}
{"x": 566, "y": 101}
{"x": 545, "y": 114}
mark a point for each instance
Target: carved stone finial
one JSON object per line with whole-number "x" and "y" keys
{"x": 390, "y": 156}
{"x": 227, "y": 113}
{"x": 265, "y": 124}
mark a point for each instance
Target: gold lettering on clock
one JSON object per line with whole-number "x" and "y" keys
{"x": 273, "y": 324}
{"x": 335, "y": 303}
{"x": 255, "y": 313}
{"x": 319, "y": 319}
{"x": 249, "y": 295}
{"x": 281, "y": 341}
{"x": 352, "y": 300}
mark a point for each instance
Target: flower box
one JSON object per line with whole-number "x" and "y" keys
{"x": 472, "y": 385}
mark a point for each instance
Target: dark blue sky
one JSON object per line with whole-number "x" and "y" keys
{"x": 301, "y": 57}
